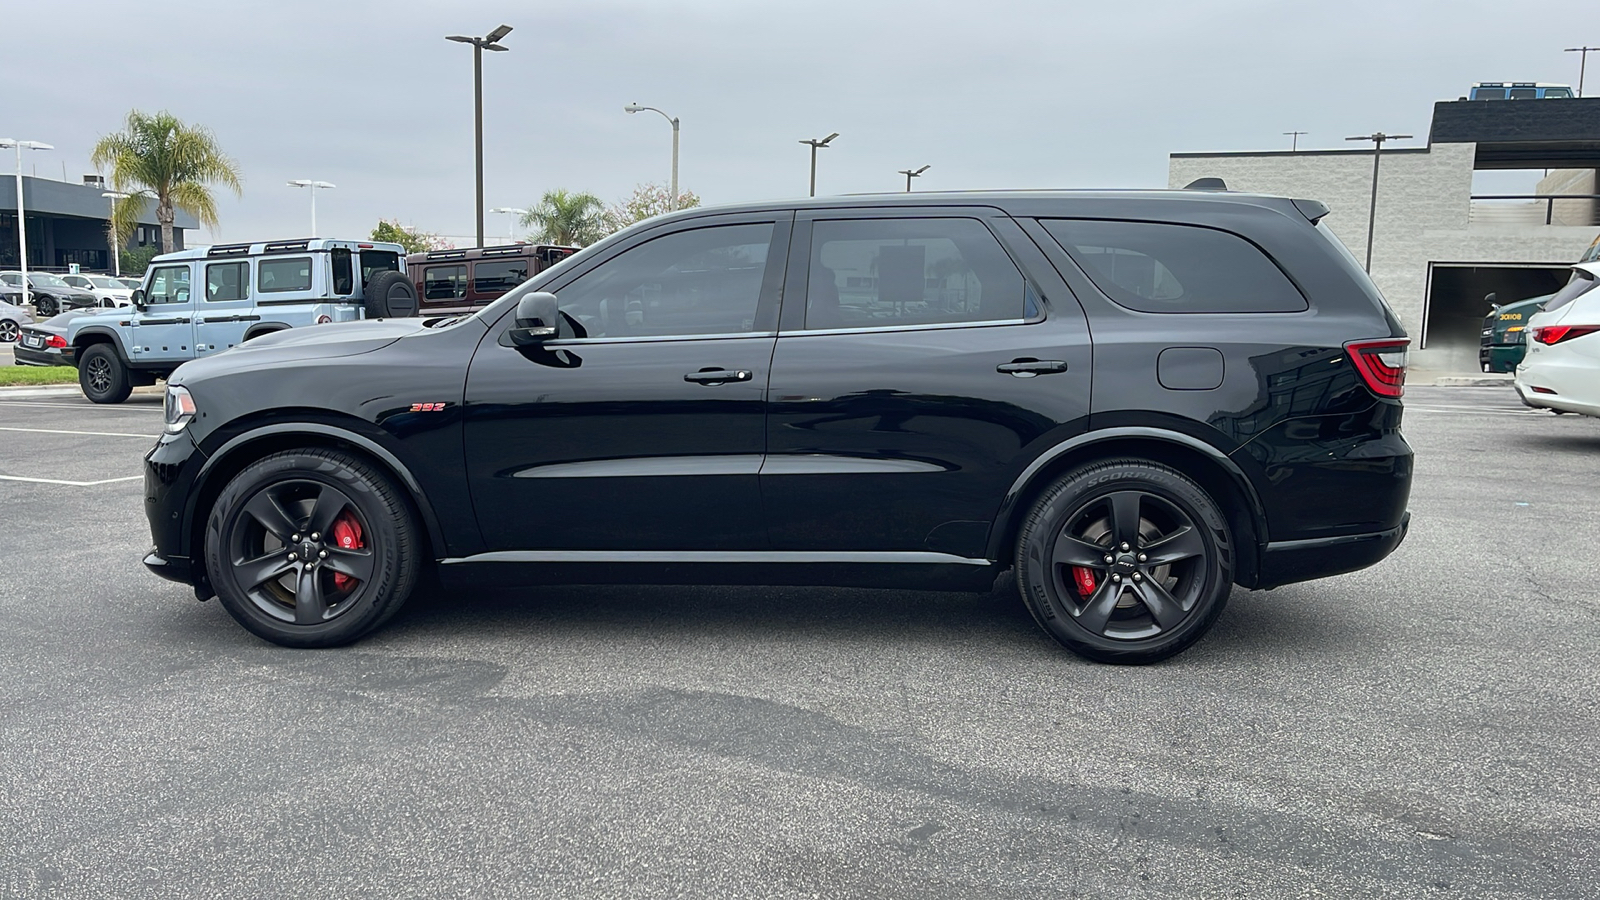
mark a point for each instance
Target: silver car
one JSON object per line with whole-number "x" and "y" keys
{"x": 12, "y": 318}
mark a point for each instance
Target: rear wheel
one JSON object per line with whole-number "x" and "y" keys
{"x": 311, "y": 548}
{"x": 1125, "y": 561}
{"x": 102, "y": 376}
{"x": 9, "y": 331}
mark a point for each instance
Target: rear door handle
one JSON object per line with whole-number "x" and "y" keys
{"x": 1027, "y": 368}
{"x": 718, "y": 376}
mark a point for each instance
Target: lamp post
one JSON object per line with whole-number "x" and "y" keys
{"x": 913, "y": 173}
{"x": 1377, "y": 138}
{"x": 489, "y": 41}
{"x": 815, "y": 146}
{"x": 515, "y": 214}
{"x": 633, "y": 108}
{"x": 312, "y": 186}
{"x": 1583, "y": 62}
{"x": 22, "y": 222}
{"x": 116, "y": 245}
{"x": 1294, "y": 140}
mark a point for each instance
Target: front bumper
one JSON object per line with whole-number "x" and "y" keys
{"x": 169, "y": 477}
{"x": 1288, "y": 562}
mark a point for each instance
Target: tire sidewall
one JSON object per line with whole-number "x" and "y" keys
{"x": 377, "y": 293}
{"x": 121, "y": 385}
{"x": 374, "y": 499}
{"x": 1049, "y": 516}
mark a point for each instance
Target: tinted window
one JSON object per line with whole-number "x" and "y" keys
{"x": 501, "y": 275}
{"x": 868, "y": 273}
{"x": 1524, "y": 93}
{"x": 1489, "y": 94}
{"x": 1553, "y": 93}
{"x": 1581, "y": 283}
{"x": 444, "y": 282}
{"x": 227, "y": 281}
{"x": 1163, "y": 268}
{"x": 373, "y": 261}
{"x": 278, "y": 275}
{"x": 168, "y": 284}
{"x": 340, "y": 257}
{"x": 706, "y": 281}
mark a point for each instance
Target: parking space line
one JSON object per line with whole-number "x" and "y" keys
{"x": 83, "y": 406}
{"x": 89, "y": 433}
{"x": 68, "y": 483}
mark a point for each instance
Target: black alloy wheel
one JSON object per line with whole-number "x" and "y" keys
{"x": 1125, "y": 561}
{"x": 311, "y": 548}
{"x": 9, "y": 331}
{"x": 102, "y": 376}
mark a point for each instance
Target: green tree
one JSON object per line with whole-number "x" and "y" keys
{"x": 412, "y": 239}
{"x": 136, "y": 259}
{"x": 175, "y": 163}
{"x": 647, "y": 200}
{"x": 563, "y": 217}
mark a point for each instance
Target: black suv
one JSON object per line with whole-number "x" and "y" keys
{"x": 1134, "y": 399}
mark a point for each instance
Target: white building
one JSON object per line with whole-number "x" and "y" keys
{"x": 1438, "y": 250}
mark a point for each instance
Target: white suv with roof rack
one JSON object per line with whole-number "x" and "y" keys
{"x": 201, "y": 302}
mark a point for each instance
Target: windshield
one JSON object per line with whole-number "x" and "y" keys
{"x": 110, "y": 284}
{"x": 47, "y": 280}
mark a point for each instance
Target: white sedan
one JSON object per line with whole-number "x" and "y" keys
{"x": 1562, "y": 369}
{"x": 104, "y": 287}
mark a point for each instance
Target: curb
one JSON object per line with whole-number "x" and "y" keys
{"x": 42, "y": 391}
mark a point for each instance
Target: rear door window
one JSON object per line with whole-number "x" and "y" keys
{"x": 1163, "y": 268}
{"x": 227, "y": 281}
{"x": 500, "y": 275}
{"x": 444, "y": 282}
{"x": 374, "y": 261}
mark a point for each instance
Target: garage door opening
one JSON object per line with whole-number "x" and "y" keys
{"x": 1453, "y": 318}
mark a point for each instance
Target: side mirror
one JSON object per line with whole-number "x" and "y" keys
{"x": 137, "y": 298}
{"x": 537, "y": 317}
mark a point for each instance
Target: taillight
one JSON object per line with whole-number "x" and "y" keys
{"x": 1382, "y": 364}
{"x": 1555, "y": 334}
{"x": 56, "y": 341}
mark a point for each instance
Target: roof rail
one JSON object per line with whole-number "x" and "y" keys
{"x": 447, "y": 254}
{"x": 283, "y": 246}
{"x": 229, "y": 250}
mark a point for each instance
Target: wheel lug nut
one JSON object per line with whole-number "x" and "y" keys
{"x": 315, "y": 536}
{"x": 1108, "y": 558}
{"x": 1116, "y": 579}
{"x": 1124, "y": 545}
{"x": 293, "y": 557}
{"x": 1142, "y": 557}
{"x": 296, "y": 538}
{"x": 1137, "y": 577}
{"x": 322, "y": 554}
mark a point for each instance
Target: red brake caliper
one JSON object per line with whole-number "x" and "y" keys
{"x": 346, "y": 536}
{"x": 1083, "y": 579}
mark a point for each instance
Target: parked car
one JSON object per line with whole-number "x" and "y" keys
{"x": 250, "y": 290}
{"x": 1562, "y": 369}
{"x": 45, "y": 343}
{"x": 1502, "y": 344}
{"x": 132, "y": 284}
{"x": 50, "y": 294}
{"x": 12, "y": 319}
{"x": 1136, "y": 400}
{"x": 108, "y": 290}
{"x": 457, "y": 281}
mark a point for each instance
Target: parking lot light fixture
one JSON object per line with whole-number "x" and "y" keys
{"x": 116, "y": 245}
{"x": 1377, "y": 138}
{"x": 490, "y": 41}
{"x": 913, "y": 173}
{"x": 22, "y": 227}
{"x": 817, "y": 144}
{"x": 515, "y": 214}
{"x": 631, "y": 108}
{"x": 311, "y": 186}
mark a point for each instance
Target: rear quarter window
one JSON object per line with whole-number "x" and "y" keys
{"x": 1164, "y": 268}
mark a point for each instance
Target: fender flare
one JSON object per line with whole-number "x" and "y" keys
{"x": 98, "y": 331}
{"x": 409, "y": 481}
{"x": 1025, "y": 481}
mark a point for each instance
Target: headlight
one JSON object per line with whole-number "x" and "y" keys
{"x": 178, "y": 409}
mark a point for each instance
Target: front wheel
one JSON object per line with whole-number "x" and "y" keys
{"x": 102, "y": 376}
{"x": 311, "y": 548}
{"x": 1125, "y": 561}
{"x": 9, "y": 331}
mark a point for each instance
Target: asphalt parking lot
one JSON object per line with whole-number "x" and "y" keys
{"x": 1425, "y": 728}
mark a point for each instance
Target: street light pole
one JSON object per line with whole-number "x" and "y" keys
{"x": 22, "y": 222}
{"x": 815, "y": 146}
{"x": 1583, "y": 62}
{"x": 111, "y": 233}
{"x": 1294, "y": 142}
{"x": 489, "y": 41}
{"x": 633, "y": 108}
{"x": 913, "y": 173}
{"x": 515, "y": 213}
{"x": 312, "y": 186}
{"x": 1377, "y": 138}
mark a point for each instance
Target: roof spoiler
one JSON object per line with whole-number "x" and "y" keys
{"x": 1206, "y": 184}
{"x": 1313, "y": 210}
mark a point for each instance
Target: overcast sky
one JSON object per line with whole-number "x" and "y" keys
{"x": 997, "y": 94}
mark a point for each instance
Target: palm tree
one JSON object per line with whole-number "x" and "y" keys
{"x": 158, "y": 157}
{"x": 562, "y": 217}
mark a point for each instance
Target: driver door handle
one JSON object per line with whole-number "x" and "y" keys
{"x": 1027, "y": 368}
{"x": 718, "y": 376}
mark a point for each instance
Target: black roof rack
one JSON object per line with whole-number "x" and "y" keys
{"x": 229, "y": 250}
{"x": 284, "y": 246}
{"x": 447, "y": 254}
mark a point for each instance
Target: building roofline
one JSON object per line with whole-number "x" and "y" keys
{"x": 1358, "y": 151}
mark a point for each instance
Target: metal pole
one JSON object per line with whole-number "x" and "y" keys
{"x": 22, "y": 232}
{"x": 313, "y": 210}
{"x": 116, "y": 251}
{"x": 477, "y": 103}
{"x": 1372, "y": 207}
{"x": 813, "y": 172}
{"x": 1583, "y": 62}
{"x": 673, "y": 204}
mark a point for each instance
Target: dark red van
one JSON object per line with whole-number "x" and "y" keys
{"x": 452, "y": 281}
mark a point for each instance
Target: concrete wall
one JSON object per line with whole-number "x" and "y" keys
{"x": 1424, "y": 217}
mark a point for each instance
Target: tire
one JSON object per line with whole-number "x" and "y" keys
{"x": 9, "y": 331}
{"x": 46, "y": 307}
{"x": 390, "y": 295}
{"x": 1154, "y": 598}
{"x": 102, "y": 376}
{"x": 296, "y": 502}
